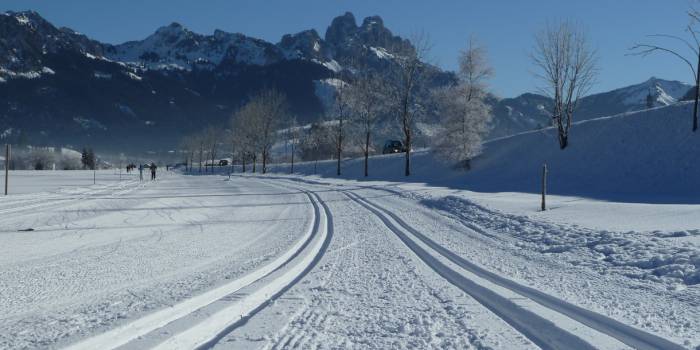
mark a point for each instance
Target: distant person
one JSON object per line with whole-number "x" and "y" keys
{"x": 140, "y": 172}
{"x": 153, "y": 171}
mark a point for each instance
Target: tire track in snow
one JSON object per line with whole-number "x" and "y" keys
{"x": 540, "y": 330}
{"x": 275, "y": 278}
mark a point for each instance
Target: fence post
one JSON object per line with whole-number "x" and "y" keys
{"x": 544, "y": 186}
{"x": 7, "y": 166}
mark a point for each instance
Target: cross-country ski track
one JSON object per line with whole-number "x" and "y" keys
{"x": 352, "y": 271}
{"x": 225, "y": 308}
{"x": 548, "y": 327}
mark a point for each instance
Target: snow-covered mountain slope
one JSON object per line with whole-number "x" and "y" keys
{"x": 176, "y": 47}
{"x": 638, "y": 156}
{"x": 532, "y": 111}
{"x": 26, "y": 37}
{"x": 58, "y": 87}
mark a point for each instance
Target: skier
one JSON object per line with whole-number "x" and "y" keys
{"x": 140, "y": 172}
{"x": 153, "y": 171}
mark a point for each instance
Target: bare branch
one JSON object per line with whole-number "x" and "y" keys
{"x": 646, "y": 49}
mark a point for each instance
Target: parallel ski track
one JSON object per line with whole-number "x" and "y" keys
{"x": 536, "y": 328}
{"x": 208, "y": 332}
{"x": 30, "y": 205}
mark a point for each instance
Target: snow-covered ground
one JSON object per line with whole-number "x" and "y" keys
{"x": 30, "y": 181}
{"x": 445, "y": 260}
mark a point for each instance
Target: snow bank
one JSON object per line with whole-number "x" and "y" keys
{"x": 648, "y": 156}
{"x": 648, "y": 255}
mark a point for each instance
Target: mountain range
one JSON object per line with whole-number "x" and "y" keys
{"x": 61, "y": 88}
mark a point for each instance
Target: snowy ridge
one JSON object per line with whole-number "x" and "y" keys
{"x": 531, "y": 111}
{"x": 664, "y": 92}
{"x": 174, "y": 46}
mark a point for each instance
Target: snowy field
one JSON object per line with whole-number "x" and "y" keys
{"x": 309, "y": 261}
{"x": 30, "y": 181}
{"x": 296, "y": 262}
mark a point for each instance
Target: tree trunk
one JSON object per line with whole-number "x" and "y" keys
{"x": 408, "y": 155}
{"x": 340, "y": 145}
{"x": 563, "y": 140}
{"x": 264, "y": 162}
{"x": 243, "y": 163}
{"x": 255, "y": 161}
{"x": 367, "y": 154}
{"x": 292, "y": 169}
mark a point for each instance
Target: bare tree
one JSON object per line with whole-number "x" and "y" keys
{"x": 644, "y": 49}
{"x": 317, "y": 140}
{"x": 270, "y": 107}
{"x": 212, "y": 136}
{"x": 367, "y": 102}
{"x": 293, "y": 138}
{"x": 257, "y": 123}
{"x": 405, "y": 80}
{"x": 465, "y": 115}
{"x": 244, "y": 127}
{"x": 568, "y": 70}
{"x": 189, "y": 148}
{"x": 337, "y": 118}
{"x": 200, "y": 146}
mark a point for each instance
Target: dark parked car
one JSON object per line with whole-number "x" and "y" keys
{"x": 223, "y": 162}
{"x": 393, "y": 146}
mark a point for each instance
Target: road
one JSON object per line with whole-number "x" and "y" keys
{"x": 271, "y": 262}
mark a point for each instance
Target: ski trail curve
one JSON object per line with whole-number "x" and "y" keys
{"x": 207, "y": 333}
{"x": 152, "y": 322}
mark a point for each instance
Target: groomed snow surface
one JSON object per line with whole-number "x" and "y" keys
{"x": 302, "y": 261}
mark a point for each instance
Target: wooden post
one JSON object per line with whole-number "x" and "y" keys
{"x": 697, "y": 95}
{"x": 7, "y": 166}
{"x": 544, "y": 186}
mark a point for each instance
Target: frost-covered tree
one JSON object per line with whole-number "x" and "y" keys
{"x": 406, "y": 77}
{"x": 366, "y": 99}
{"x": 257, "y": 122}
{"x": 212, "y": 136}
{"x": 464, "y": 113}
{"x": 87, "y": 158}
{"x": 293, "y": 135}
{"x": 41, "y": 158}
{"x": 270, "y": 108}
{"x": 567, "y": 66}
{"x": 337, "y": 120}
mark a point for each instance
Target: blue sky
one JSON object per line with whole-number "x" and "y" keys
{"x": 506, "y": 27}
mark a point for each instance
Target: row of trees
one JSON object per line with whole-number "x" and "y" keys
{"x": 400, "y": 90}
{"x": 360, "y": 101}
{"x": 43, "y": 158}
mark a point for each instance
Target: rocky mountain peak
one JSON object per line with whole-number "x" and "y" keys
{"x": 341, "y": 28}
{"x": 305, "y": 44}
{"x": 372, "y": 22}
